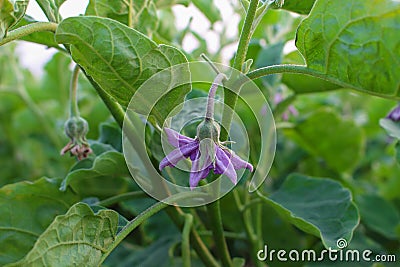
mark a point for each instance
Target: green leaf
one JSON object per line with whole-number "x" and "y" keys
{"x": 143, "y": 17}
{"x": 325, "y": 134}
{"x": 107, "y": 177}
{"x": 318, "y": 206}
{"x": 44, "y": 38}
{"x": 385, "y": 222}
{"x": 298, "y": 6}
{"x": 121, "y": 59}
{"x": 51, "y": 9}
{"x": 27, "y": 209}
{"x": 80, "y": 237}
{"x": 208, "y": 8}
{"x": 353, "y": 43}
{"x": 391, "y": 127}
{"x": 303, "y": 84}
{"x": 11, "y": 12}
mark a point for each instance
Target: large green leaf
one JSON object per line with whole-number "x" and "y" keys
{"x": 78, "y": 238}
{"x": 353, "y": 43}
{"x": 121, "y": 59}
{"x": 326, "y": 135}
{"x": 143, "y": 17}
{"x": 27, "y": 209}
{"x": 388, "y": 219}
{"x": 298, "y": 6}
{"x": 318, "y": 206}
{"x": 107, "y": 177}
{"x": 11, "y": 12}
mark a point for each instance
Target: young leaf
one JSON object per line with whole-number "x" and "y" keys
{"x": 324, "y": 134}
{"x": 26, "y": 211}
{"x": 353, "y": 42}
{"x": 106, "y": 178}
{"x": 80, "y": 237}
{"x": 121, "y": 59}
{"x": 144, "y": 13}
{"x": 318, "y": 206}
{"x": 11, "y": 12}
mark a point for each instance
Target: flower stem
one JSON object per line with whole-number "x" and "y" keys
{"x": 74, "y": 110}
{"x": 214, "y": 213}
{"x": 29, "y": 29}
{"x": 211, "y": 95}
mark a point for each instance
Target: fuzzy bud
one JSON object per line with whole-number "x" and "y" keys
{"x": 208, "y": 129}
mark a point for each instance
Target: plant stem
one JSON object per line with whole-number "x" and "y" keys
{"x": 294, "y": 69}
{"x": 197, "y": 243}
{"x": 143, "y": 217}
{"x": 29, "y": 29}
{"x": 214, "y": 213}
{"x": 122, "y": 197}
{"x": 252, "y": 237}
{"x": 231, "y": 97}
{"x": 186, "y": 240}
{"x": 74, "y": 110}
{"x": 245, "y": 35}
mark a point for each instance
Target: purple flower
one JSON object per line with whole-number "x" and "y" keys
{"x": 394, "y": 115}
{"x": 205, "y": 154}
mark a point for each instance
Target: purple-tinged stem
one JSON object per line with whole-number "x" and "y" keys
{"x": 211, "y": 95}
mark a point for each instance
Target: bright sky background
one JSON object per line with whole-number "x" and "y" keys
{"x": 35, "y": 56}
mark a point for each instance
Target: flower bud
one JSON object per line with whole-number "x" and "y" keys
{"x": 76, "y": 129}
{"x": 208, "y": 129}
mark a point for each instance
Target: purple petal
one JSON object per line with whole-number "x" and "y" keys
{"x": 198, "y": 172}
{"x": 223, "y": 165}
{"x": 394, "y": 115}
{"x": 237, "y": 162}
{"x": 176, "y": 139}
{"x": 178, "y": 154}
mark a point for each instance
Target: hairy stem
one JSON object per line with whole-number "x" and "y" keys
{"x": 245, "y": 35}
{"x": 29, "y": 29}
{"x": 231, "y": 97}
